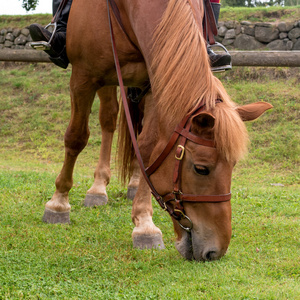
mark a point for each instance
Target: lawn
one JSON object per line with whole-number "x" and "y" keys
{"x": 93, "y": 257}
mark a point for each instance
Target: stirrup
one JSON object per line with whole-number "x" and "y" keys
{"x": 221, "y": 68}
{"x": 42, "y": 45}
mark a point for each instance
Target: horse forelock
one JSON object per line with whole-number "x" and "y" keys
{"x": 182, "y": 78}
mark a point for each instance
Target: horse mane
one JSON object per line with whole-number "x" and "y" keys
{"x": 183, "y": 79}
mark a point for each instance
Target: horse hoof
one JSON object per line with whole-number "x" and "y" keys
{"x": 148, "y": 241}
{"x": 56, "y": 217}
{"x": 131, "y": 193}
{"x": 92, "y": 200}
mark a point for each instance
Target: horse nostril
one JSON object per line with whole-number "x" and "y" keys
{"x": 210, "y": 255}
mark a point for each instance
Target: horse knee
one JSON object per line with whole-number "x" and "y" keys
{"x": 74, "y": 142}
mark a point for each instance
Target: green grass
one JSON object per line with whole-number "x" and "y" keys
{"x": 93, "y": 257}
{"x": 260, "y": 14}
{"x": 253, "y": 14}
{"x": 22, "y": 21}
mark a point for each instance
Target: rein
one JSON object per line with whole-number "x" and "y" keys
{"x": 181, "y": 133}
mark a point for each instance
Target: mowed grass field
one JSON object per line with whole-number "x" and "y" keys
{"x": 93, "y": 257}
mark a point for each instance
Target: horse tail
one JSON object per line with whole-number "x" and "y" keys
{"x": 125, "y": 150}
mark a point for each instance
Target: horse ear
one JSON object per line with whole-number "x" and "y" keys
{"x": 252, "y": 111}
{"x": 203, "y": 123}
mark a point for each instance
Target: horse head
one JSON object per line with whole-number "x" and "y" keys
{"x": 206, "y": 169}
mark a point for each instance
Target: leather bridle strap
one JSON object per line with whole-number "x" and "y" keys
{"x": 127, "y": 113}
{"x": 198, "y": 198}
{"x": 180, "y": 130}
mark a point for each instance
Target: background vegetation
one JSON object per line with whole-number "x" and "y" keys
{"x": 93, "y": 257}
{"x": 253, "y": 14}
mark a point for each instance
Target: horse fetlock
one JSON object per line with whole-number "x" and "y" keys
{"x": 59, "y": 203}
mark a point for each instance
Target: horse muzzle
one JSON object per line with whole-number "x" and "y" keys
{"x": 194, "y": 247}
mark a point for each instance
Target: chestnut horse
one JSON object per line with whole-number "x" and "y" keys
{"x": 159, "y": 41}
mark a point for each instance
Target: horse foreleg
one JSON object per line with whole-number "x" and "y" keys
{"x": 146, "y": 235}
{"x": 57, "y": 210}
{"x": 108, "y": 113}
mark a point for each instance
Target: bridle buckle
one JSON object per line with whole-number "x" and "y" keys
{"x": 180, "y": 157}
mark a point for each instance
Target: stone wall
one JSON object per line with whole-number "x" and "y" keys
{"x": 15, "y": 38}
{"x": 266, "y": 36}
{"x": 233, "y": 35}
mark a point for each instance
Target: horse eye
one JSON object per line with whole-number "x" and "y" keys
{"x": 201, "y": 170}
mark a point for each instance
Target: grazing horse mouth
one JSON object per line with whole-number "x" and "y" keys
{"x": 193, "y": 250}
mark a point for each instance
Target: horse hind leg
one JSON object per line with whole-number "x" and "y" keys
{"x": 134, "y": 180}
{"x": 108, "y": 113}
{"x": 57, "y": 210}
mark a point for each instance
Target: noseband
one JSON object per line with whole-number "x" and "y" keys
{"x": 173, "y": 201}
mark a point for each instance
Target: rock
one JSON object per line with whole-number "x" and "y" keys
{"x": 247, "y": 23}
{"x": 246, "y": 42}
{"x": 238, "y": 29}
{"x": 297, "y": 24}
{"x": 2, "y": 39}
{"x": 227, "y": 42}
{"x": 21, "y": 40}
{"x": 16, "y": 32}
{"x": 9, "y": 37}
{"x": 29, "y": 38}
{"x": 25, "y": 31}
{"x": 28, "y": 46}
{"x": 277, "y": 45}
{"x": 297, "y": 45}
{"x": 230, "y": 24}
{"x": 266, "y": 34}
{"x": 3, "y": 32}
{"x": 294, "y": 33}
{"x": 285, "y": 27}
{"x": 222, "y": 31}
{"x": 289, "y": 45}
{"x": 8, "y": 44}
{"x": 264, "y": 24}
{"x": 283, "y": 35}
{"x": 248, "y": 30}
{"x": 230, "y": 34}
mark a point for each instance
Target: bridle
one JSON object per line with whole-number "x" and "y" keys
{"x": 181, "y": 134}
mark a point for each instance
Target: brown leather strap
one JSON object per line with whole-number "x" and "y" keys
{"x": 127, "y": 112}
{"x": 198, "y": 198}
{"x": 209, "y": 23}
{"x": 194, "y": 138}
{"x": 60, "y": 8}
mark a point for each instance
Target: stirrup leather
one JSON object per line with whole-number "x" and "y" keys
{"x": 221, "y": 68}
{"x": 42, "y": 45}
